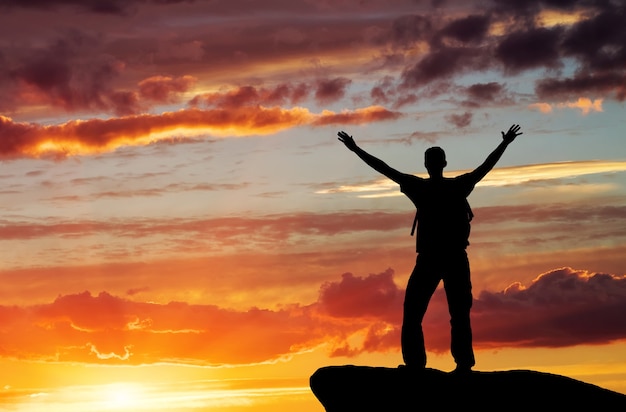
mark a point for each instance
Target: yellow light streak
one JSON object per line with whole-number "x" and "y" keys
{"x": 504, "y": 176}
{"x": 551, "y": 18}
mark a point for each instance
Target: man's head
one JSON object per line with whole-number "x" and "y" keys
{"x": 435, "y": 160}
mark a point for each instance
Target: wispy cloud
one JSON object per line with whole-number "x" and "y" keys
{"x": 503, "y": 176}
{"x": 517, "y": 175}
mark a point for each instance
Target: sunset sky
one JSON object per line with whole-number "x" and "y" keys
{"x": 180, "y": 228}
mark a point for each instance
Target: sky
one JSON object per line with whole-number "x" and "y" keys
{"x": 180, "y": 228}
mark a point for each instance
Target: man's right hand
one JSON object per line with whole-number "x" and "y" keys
{"x": 346, "y": 139}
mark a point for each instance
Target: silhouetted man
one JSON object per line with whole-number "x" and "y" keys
{"x": 443, "y": 226}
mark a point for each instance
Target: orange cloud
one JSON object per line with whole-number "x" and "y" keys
{"x": 542, "y": 107}
{"x": 100, "y": 135}
{"x": 585, "y": 105}
{"x": 563, "y": 307}
{"x": 112, "y": 330}
{"x": 376, "y": 296}
{"x": 366, "y": 115}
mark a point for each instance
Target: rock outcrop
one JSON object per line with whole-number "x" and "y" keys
{"x": 361, "y": 388}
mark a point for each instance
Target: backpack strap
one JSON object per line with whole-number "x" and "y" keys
{"x": 415, "y": 223}
{"x": 470, "y": 214}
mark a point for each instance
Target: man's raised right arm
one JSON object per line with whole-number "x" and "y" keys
{"x": 374, "y": 162}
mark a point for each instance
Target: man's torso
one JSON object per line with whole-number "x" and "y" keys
{"x": 442, "y": 211}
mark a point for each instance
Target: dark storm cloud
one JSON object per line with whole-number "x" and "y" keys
{"x": 583, "y": 84}
{"x": 69, "y": 73}
{"x": 408, "y": 29}
{"x": 485, "y": 92}
{"x": 410, "y": 52}
{"x": 442, "y": 64}
{"x": 281, "y": 94}
{"x": 163, "y": 89}
{"x": 468, "y": 29}
{"x": 562, "y": 307}
{"x": 115, "y": 7}
{"x": 530, "y": 49}
{"x": 95, "y": 6}
{"x": 328, "y": 91}
{"x": 599, "y": 42}
{"x": 596, "y": 42}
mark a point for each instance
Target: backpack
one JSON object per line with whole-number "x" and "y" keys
{"x": 470, "y": 216}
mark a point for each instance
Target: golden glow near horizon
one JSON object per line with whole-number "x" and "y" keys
{"x": 179, "y": 388}
{"x": 134, "y": 396}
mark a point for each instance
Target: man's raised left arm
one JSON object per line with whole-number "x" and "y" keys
{"x": 508, "y": 137}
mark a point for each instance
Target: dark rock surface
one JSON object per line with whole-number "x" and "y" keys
{"x": 363, "y": 388}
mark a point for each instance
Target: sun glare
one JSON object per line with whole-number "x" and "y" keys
{"x": 122, "y": 396}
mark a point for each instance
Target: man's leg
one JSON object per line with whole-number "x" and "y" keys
{"x": 419, "y": 290}
{"x": 458, "y": 288}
